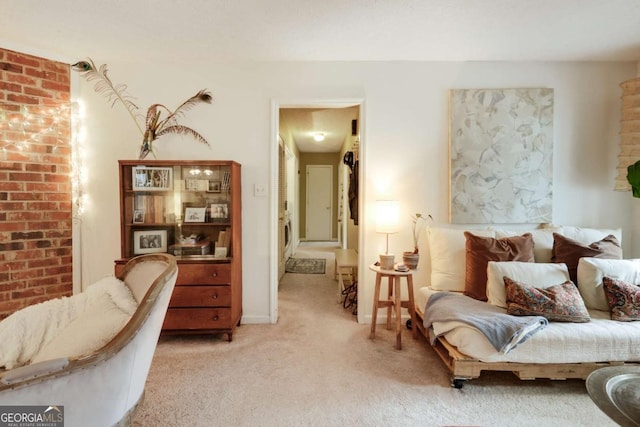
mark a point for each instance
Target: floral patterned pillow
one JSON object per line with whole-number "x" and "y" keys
{"x": 623, "y": 299}
{"x": 560, "y": 303}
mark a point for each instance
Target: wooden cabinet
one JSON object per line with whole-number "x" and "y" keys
{"x": 191, "y": 209}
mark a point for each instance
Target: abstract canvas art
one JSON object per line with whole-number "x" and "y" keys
{"x": 501, "y": 156}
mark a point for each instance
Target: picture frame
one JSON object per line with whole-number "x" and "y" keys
{"x": 146, "y": 178}
{"x": 215, "y": 186}
{"x": 191, "y": 184}
{"x": 138, "y": 216}
{"x": 194, "y": 214}
{"x": 219, "y": 212}
{"x": 149, "y": 241}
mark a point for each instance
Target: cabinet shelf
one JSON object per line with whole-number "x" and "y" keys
{"x": 162, "y": 204}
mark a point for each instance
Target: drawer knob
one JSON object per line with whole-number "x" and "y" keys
{"x": 215, "y": 318}
{"x": 214, "y": 296}
{"x": 214, "y": 274}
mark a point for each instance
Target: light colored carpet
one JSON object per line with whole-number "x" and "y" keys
{"x": 318, "y": 367}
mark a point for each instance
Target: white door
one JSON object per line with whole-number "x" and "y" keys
{"x": 319, "y": 202}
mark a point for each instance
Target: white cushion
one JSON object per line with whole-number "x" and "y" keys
{"x": 592, "y": 270}
{"x": 589, "y": 235}
{"x": 540, "y": 275}
{"x": 542, "y": 241}
{"x": 448, "y": 257}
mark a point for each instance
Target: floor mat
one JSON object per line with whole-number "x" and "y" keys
{"x": 306, "y": 265}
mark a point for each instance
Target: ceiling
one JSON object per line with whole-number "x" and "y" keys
{"x": 301, "y": 124}
{"x": 324, "y": 30}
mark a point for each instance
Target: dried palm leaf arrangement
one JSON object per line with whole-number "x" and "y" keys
{"x": 154, "y": 124}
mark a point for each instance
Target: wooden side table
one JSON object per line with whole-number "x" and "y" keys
{"x": 393, "y": 301}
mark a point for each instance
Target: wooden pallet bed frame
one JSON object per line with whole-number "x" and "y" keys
{"x": 463, "y": 367}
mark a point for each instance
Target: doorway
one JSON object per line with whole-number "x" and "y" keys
{"x": 339, "y": 187}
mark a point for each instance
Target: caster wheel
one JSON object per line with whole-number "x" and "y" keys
{"x": 457, "y": 383}
{"x": 409, "y": 324}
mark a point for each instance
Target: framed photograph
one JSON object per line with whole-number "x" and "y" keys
{"x": 138, "y": 216}
{"x": 194, "y": 214}
{"x": 219, "y": 211}
{"x": 191, "y": 184}
{"x": 214, "y": 186}
{"x": 152, "y": 178}
{"x": 149, "y": 241}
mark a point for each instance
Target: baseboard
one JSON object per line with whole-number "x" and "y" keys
{"x": 255, "y": 320}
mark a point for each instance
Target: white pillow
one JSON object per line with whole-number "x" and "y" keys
{"x": 542, "y": 241}
{"x": 448, "y": 257}
{"x": 540, "y": 275}
{"x": 589, "y": 235}
{"x": 592, "y": 270}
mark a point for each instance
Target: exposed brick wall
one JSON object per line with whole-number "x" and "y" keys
{"x": 35, "y": 185}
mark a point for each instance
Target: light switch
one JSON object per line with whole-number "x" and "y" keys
{"x": 259, "y": 190}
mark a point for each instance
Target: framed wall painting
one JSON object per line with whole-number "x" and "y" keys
{"x": 501, "y": 156}
{"x": 149, "y": 241}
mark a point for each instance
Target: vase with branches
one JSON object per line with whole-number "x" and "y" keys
{"x": 153, "y": 125}
{"x": 418, "y": 222}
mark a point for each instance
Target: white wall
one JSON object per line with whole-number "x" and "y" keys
{"x": 405, "y": 143}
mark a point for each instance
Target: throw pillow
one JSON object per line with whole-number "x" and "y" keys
{"x": 542, "y": 274}
{"x": 480, "y": 250}
{"x": 560, "y": 303}
{"x": 570, "y": 251}
{"x": 623, "y": 299}
{"x": 447, "y": 257}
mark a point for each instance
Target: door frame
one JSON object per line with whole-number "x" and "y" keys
{"x": 276, "y": 105}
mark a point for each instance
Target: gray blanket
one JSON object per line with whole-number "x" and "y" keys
{"x": 504, "y": 331}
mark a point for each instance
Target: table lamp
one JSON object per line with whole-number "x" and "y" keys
{"x": 387, "y": 221}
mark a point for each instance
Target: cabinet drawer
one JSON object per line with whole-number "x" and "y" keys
{"x": 197, "y": 318}
{"x": 201, "y": 296}
{"x": 203, "y": 274}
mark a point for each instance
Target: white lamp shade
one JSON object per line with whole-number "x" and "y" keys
{"x": 387, "y": 216}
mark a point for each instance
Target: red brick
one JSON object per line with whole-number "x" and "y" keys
{"x": 23, "y": 59}
{"x": 22, "y": 99}
{"x": 51, "y": 271}
{"x": 14, "y": 166}
{"x": 11, "y": 226}
{"x": 11, "y": 87}
{"x": 37, "y": 167}
{"x": 61, "y": 87}
{"x": 42, "y": 74}
{"x": 21, "y": 79}
{"x": 15, "y": 196}
{"x": 45, "y": 262}
{"x": 11, "y": 68}
{"x": 27, "y": 293}
{"x": 27, "y": 274}
{"x": 16, "y": 176}
{"x": 40, "y": 186}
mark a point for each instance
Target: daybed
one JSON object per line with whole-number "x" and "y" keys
{"x": 585, "y": 339}
{"x": 100, "y": 386}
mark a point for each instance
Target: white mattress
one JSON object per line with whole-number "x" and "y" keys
{"x": 600, "y": 340}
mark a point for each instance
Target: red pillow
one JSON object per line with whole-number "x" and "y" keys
{"x": 481, "y": 250}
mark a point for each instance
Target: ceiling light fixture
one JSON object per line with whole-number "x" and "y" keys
{"x": 318, "y": 137}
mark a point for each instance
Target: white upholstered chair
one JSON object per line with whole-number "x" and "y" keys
{"x": 103, "y": 388}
